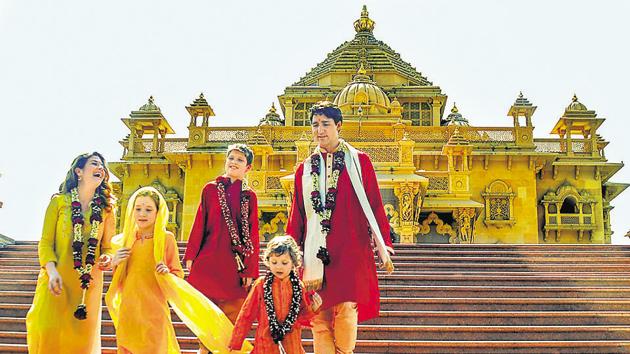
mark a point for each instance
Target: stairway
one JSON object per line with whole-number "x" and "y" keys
{"x": 441, "y": 299}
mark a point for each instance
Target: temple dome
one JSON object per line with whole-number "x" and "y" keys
{"x": 362, "y": 92}
{"x": 150, "y": 106}
{"x": 576, "y": 105}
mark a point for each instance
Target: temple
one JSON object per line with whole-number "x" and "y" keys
{"x": 443, "y": 179}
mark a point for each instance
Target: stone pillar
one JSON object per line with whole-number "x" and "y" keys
{"x": 437, "y": 108}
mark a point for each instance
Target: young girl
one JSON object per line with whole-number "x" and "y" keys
{"x": 278, "y": 302}
{"x": 147, "y": 277}
{"x": 78, "y": 227}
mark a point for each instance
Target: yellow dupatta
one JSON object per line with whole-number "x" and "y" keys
{"x": 202, "y": 316}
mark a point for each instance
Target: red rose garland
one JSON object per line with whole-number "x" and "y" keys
{"x": 241, "y": 247}
{"x": 84, "y": 270}
{"x": 325, "y": 211}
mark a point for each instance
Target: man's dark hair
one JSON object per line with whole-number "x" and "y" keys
{"x": 328, "y": 109}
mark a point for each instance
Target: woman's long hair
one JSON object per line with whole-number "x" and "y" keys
{"x": 104, "y": 190}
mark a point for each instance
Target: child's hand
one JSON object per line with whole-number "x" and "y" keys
{"x": 161, "y": 268}
{"x": 189, "y": 264}
{"x": 317, "y": 301}
{"x": 105, "y": 262}
{"x": 120, "y": 256}
{"x": 247, "y": 282}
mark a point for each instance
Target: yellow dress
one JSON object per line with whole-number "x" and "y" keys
{"x": 145, "y": 322}
{"x": 50, "y": 323}
{"x": 146, "y": 301}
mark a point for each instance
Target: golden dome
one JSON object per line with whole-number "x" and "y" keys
{"x": 576, "y": 105}
{"x": 362, "y": 92}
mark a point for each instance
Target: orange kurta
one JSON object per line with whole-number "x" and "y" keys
{"x": 50, "y": 323}
{"x": 145, "y": 320}
{"x": 254, "y": 309}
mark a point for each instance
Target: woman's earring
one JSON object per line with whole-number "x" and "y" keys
{"x": 79, "y": 178}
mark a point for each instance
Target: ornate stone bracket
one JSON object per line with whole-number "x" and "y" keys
{"x": 441, "y": 228}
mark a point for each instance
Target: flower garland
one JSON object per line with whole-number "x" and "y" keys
{"x": 279, "y": 330}
{"x": 241, "y": 247}
{"x": 78, "y": 221}
{"x": 325, "y": 210}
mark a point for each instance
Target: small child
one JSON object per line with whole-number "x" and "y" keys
{"x": 279, "y": 303}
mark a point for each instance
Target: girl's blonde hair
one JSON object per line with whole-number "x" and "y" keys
{"x": 280, "y": 245}
{"x": 151, "y": 193}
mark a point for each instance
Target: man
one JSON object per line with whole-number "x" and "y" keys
{"x": 336, "y": 216}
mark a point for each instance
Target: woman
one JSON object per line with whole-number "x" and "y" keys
{"x": 66, "y": 313}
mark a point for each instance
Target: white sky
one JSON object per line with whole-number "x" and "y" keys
{"x": 69, "y": 70}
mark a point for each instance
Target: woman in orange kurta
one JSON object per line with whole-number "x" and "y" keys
{"x": 280, "y": 320}
{"x": 149, "y": 276}
{"x": 51, "y": 326}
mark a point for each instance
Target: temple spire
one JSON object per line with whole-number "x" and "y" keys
{"x": 365, "y": 23}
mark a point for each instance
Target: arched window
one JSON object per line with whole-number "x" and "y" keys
{"x": 569, "y": 206}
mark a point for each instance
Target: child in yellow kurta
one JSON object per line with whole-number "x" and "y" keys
{"x": 50, "y": 324}
{"x": 148, "y": 276}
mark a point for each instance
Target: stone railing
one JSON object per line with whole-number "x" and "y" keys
{"x": 580, "y": 146}
{"x": 438, "y": 181}
{"x": 147, "y": 148}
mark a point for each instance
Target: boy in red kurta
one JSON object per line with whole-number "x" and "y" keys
{"x": 343, "y": 246}
{"x": 278, "y": 302}
{"x": 221, "y": 269}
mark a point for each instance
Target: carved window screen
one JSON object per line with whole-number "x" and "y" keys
{"x": 499, "y": 200}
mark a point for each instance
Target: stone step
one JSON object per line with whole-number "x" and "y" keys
{"x": 428, "y": 332}
{"x": 402, "y": 347}
{"x": 27, "y": 287}
{"x": 32, "y": 246}
{"x": 492, "y": 318}
{"x": 454, "y": 278}
{"x": 12, "y": 264}
{"x": 17, "y": 309}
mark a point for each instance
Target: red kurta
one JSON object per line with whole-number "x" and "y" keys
{"x": 254, "y": 309}
{"x": 351, "y": 274}
{"x": 214, "y": 268}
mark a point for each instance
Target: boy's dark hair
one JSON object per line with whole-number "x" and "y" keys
{"x": 328, "y": 109}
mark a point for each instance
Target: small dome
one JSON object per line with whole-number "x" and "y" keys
{"x": 456, "y": 118}
{"x": 362, "y": 91}
{"x": 272, "y": 118}
{"x": 576, "y": 105}
{"x": 150, "y": 106}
